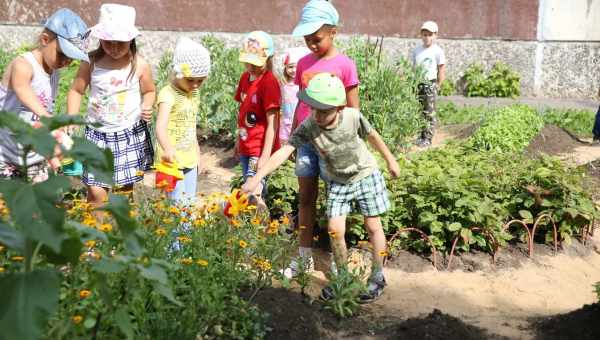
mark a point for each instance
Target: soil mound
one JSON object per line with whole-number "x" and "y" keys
{"x": 581, "y": 324}
{"x": 552, "y": 141}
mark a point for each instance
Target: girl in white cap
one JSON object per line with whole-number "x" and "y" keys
{"x": 122, "y": 94}
{"x": 178, "y": 105}
{"x": 289, "y": 90}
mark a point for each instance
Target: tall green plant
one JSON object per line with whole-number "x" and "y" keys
{"x": 501, "y": 81}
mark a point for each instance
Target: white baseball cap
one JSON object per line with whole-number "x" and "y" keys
{"x": 431, "y": 26}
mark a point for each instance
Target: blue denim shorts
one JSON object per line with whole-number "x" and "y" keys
{"x": 249, "y": 168}
{"x": 308, "y": 162}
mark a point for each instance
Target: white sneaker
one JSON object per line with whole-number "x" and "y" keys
{"x": 294, "y": 268}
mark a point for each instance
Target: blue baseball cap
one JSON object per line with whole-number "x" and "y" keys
{"x": 315, "y": 14}
{"x": 71, "y": 31}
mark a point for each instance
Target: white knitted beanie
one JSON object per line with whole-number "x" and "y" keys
{"x": 190, "y": 59}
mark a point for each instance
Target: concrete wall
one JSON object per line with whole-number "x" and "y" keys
{"x": 573, "y": 20}
{"x": 502, "y": 19}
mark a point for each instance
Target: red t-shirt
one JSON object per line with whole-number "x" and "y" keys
{"x": 256, "y": 98}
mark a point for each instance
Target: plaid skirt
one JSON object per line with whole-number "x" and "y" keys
{"x": 132, "y": 152}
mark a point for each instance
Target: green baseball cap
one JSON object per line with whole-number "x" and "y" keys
{"x": 324, "y": 91}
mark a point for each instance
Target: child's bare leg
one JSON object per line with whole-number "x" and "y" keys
{"x": 96, "y": 196}
{"x": 337, "y": 230}
{"x": 308, "y": 191}
{"x": 377, "y": 238}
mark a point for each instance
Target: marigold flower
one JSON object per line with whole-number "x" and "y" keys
{"x": 255, "y": 221}
{"x": 285, "y": 220}
{"x": 90, "y": 243}
{"x": 106, "y": 227}
{"x": 77, "y": 319}
{"x": 202, "y": 262}
{"x": 274, "y": 224}
{"x": 174, "y": 210}
{"x": 199, "y": 222}
{"x": 186, "y": 261}
{"x": 213, "y": 208}
{"x": 184, "y": 239}
{"x": 243, "y": 244}
{"x": 383, "y": 253}
{"x": 184, "y": 220}
{"x": 272, "y": 231}
{"x": 236, "y": 223}
{"x": 160, "y": 232}
{"x": 17, "y": 258}
{"x": 84, "y": 293}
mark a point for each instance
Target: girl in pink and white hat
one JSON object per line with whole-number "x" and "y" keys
{"x": 289, "y": 90}
{"x": 122, "y": 94}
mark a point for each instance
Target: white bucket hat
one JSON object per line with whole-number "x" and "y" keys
{"x": 190, "y": 59}
{"x": 116, "y": 23}
{"x": 430, "y": 26}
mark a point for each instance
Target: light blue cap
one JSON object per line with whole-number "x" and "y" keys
{"x": 315, "y": 14}
{"x": 71, "y": 31}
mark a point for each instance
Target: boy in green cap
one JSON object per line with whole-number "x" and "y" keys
{"x": 352, "y": 172}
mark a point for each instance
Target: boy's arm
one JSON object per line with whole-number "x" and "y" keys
{"x": 20, "y": 81}
{"x": 162, "y": 121}
{"x": 441, "y": 75}
{"x": 269, "y": 138}
{"x": 272, "y": 163}
{"x": 352, "y": 97}
{"x": 378, "y": 144}
{"x": 147, "y": 89}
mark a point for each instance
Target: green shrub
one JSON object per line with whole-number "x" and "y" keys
{"x": 501, "y": 81}
{"x": 579, "y": 122}
{"x": 447, "y": 88}
{"x": 450, "y": 113}
{"x": 509, "y": 129}
{"x": 388, "y": 96}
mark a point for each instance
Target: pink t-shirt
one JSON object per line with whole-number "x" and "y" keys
{"x": 340, "y": 65}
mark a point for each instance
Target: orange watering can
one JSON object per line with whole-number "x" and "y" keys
{"x": 167, "y": 175}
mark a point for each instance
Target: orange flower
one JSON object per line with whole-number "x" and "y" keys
{"x": 174, "y": 210}
{"x": 274, "y": 224}
{"x": 84, "y": 293}
{"x": 243, "y": 244}
{"x": 105, "y": 227}
{"x": 285, "y": 220}
{"x": 77, "y": 319}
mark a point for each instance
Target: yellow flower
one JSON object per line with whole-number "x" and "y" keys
{"x": 184, "y": 239}
{"x": 332, "y": 234}
{"x": 202, "y": 262}
{"x": 133, "y": 213}
{"x": 272, "y": 230}
{"x": 274, "y": 224}
{"x": 363, "y": 243}
{"x": 199, "y": 222}
{"x": 243, "y": 244}
{"x": 383, "y": 253}
{"x": 89, "y": 220}
{"x": 90, "y": 243}
{"x": 174, "y": 210}
{"x": 285, "y": 220}
{"x": 184, "y": 220}
{"x": 213, "y": 208}
{"x": 186, "y": 261}
{"x": 255, "y": 221}
{"x": 139, "y": 173}
{"x": 167, "y": 220}
{"x": 84, "y": 293}
{"x": 1, "y": 248}
{"x": 17, "y": 258}
{"x": 160, "y": 232}
{"x": 236, "y": 223}
{"x": 2, "y": 269}
{"x": 106, "y": 227}
{"x": 77, "y": 319}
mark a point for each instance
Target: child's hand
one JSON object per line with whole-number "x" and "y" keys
{"x": 147, "y": 114}
{"x": 251, "y": 184}
{"x": 54, "y": 163}
{"x": 168, "y": 156}
{"x": 394, "y": 168}
{"x": 261, "y": 162}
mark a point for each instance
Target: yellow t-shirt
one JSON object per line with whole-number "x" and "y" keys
{"x": 181, "y": 128}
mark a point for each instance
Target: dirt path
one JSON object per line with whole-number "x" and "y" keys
{"x": 538, "y": 103}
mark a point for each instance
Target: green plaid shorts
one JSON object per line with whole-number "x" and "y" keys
{"x": 370, "y": 193}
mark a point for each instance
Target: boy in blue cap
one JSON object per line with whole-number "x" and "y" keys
{"x": 318, "y": 25}
{"x": 29, "y": 87}
{"x": 337, "y": 133}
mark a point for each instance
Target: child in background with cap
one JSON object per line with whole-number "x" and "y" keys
{"x": 122, "y": 94}
{"x": 259, "y": 96}
{"x": 431, "y": 58}
{"x": 318, "y": 25}
{"x": 336, "y": 131}
{"x": 178, "y": 105}
{"x": 289, "y": 90}
{"x": 30, "y": 85}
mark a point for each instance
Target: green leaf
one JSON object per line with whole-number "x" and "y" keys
{"x": 153, "y": 273}
{"x": 69, "y": 252}
{"x": 526, "y": 215}
{"x": 89, "y": 323}
{"x": 167, "y": 293}
{"x": 29, "y": 299}
{"x": 12, "y": 238}
{"x": 466, "y": 235}
{"x": 118, "y": 206}
{"x": 95, "y": 160}
{"x": 454, "y": 226}
{"x": 124, "y": 322}
{"x": 108, "y": 266}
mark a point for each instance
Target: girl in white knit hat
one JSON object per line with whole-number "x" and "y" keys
{"x": 178, "y": 105}
{"x": 122, "y": 94}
